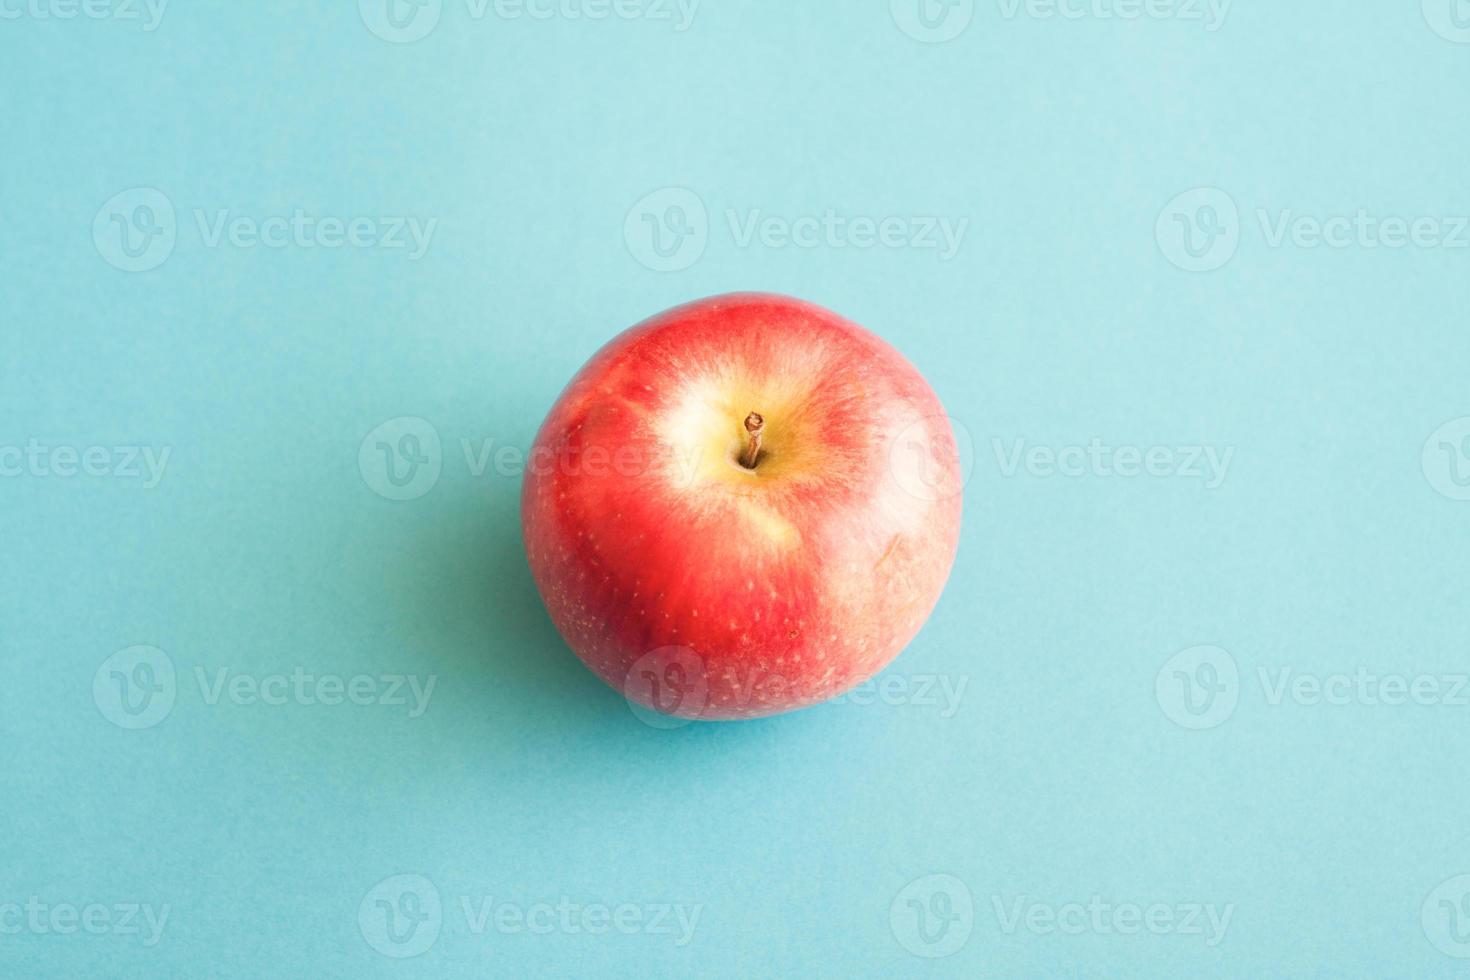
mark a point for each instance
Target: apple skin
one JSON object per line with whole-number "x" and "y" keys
{"x": 702, "y": 589}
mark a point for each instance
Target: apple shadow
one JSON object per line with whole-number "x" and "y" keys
{"x": 494, "y": 635}
{"x": 463, "y": 602}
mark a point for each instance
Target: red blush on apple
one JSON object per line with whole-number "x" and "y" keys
{"x": 741, "y": 507}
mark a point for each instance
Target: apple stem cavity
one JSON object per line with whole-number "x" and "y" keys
{"x": 754, "y": 423}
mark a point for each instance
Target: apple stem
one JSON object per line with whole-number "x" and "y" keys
{"x": 753, "y": 425}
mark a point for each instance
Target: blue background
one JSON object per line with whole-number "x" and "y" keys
{"x": 1330, "y": 546}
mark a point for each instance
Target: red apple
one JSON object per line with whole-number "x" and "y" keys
{"x": 742, "y": 506}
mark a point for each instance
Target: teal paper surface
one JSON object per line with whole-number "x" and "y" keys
{"x": 286, "y": 289}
